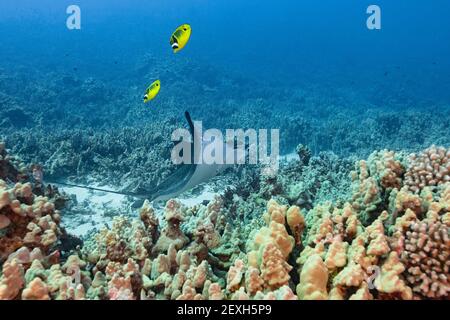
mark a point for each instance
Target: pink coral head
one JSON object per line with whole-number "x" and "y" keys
{"x": 400, "y": 246}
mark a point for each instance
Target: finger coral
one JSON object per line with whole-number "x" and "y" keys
{"x": 313, "y": 279}
{"x": 271, "y": 247}
{"x": 172, "y": 233}
{"x": 12, "y": 280}
{"x": 387, "y": 240}
{"x": 426, "y": 257}
{"x": 26, "y": 220}
{"x": 428, "y": 168}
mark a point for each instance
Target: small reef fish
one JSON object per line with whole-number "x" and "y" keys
{"x": 180, "y": 37}
{"x": 152, "y": 91}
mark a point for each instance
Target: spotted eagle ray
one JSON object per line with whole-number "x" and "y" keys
{"x": 185, "y": 177}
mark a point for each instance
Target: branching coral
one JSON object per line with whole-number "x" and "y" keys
{"x": 429, "y": 168}
{"x": 26, "y": 220}
{"x": 389, "y": 280}
{"x": 373, "y": 182}
{"x": 386, "y": 241}
{"x": 268, "y": 250}
{"x": 271, "y": 247}
{"x": 399, "y": 251}
{"x": 12, "y": 280}
{"x": 36, "y": 290}
{"x": 172, "y": 233}
{"x": 426, "y": 257}
{"x": 313, "y": 279}
{"x": 387, "y": 168}
{"x": 366, "y": 193}
{"x": 125, "y": 239}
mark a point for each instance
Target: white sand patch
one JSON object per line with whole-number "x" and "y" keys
{"x": 206, "y": 194}
{"x": 96, "y": 197}
{"x": 97, "y": 220}
{"x": 93, "y": 210}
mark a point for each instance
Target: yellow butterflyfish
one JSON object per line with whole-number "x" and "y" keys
{"x": 180, "y": 37}
{"x": 152, "y": 91}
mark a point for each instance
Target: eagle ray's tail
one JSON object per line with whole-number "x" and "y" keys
{"x": 124, "y": 193}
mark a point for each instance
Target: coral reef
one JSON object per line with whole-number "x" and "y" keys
{"x": 384, "y": 240}
{"x": 337, "y": 221}
{"x": 429, "y": 168}
{"x": 387, "y": 243}
{"x": 26, "y": 220}
{"x": 129, "y": 147}
{"x": 425, "y": 256}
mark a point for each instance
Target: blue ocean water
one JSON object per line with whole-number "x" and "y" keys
{"x": 312, "y": 69}
{"x": 74, "y": 128}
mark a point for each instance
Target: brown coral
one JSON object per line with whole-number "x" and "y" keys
{"x": 387, "y": 168}
{"x": 426, "y": 257}
{"x": 390, "y": 281}
{"x": 172, "y": 234}
{"x": 429, "y": 168}
{"x": 274, "y": 269}
{"x": 26, "y": 219}
{"x": 12, "y": 280}
{"x": 313, "y": 280}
